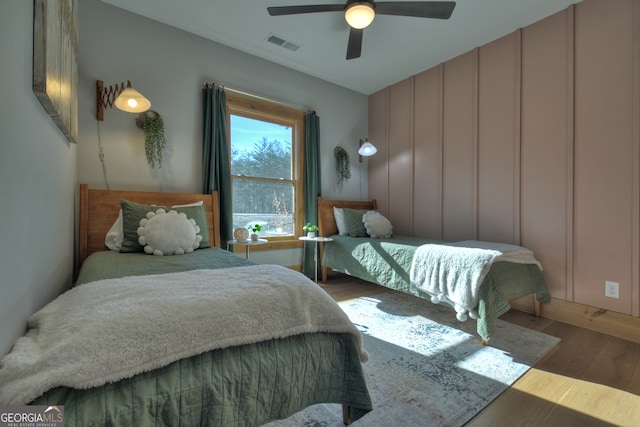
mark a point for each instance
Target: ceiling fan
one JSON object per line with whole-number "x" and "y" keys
{"x": 359, "y": 14}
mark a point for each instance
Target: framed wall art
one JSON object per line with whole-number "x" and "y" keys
{"x": 55, "y": 62}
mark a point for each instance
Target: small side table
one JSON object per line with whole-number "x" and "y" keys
{"x": 247, "y": 244}
{"x": 316, "y": 241}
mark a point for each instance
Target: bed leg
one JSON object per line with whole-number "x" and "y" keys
{"x": 346, "y": 419}
{"x": 485, "y": 342}
{"x": 537, "y": 306}
{"x": 324, "y": 274}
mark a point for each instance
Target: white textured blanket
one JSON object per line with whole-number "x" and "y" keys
{"x": 112, "y": 329}
{"x": 453, "y": 273}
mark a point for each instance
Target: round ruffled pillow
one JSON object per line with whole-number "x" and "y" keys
{"x": 377, "y": 225}
{"x": 168, "y": 233}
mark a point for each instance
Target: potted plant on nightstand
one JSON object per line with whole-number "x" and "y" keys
{"x": 255, "y": 228}
{"x": 310, "y": 229}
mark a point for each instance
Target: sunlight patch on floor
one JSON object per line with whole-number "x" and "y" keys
{"x": 405, "y": 336}
{"x": 477, "y": 362}
{"x": 595, "y": 400}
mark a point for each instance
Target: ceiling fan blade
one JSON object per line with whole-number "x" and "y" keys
{"x": 355, "y": 43}
{"x": 313, "y": 8}
{"x": 420, "y": 9}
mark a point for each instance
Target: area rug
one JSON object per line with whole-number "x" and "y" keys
{"x": 425, "y": 367}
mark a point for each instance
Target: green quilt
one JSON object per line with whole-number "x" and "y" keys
{"x": 112, "y": 264}
{"x": 387, "y": 262}
{"x": 246, "y": 385}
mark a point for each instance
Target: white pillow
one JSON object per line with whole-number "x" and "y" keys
{"x": 338, "y": 214}
{"x": 168, "y": 233}
{"x": 115, "y": 235}
{"x": 377, "y": 225}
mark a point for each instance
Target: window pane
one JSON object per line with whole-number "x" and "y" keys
{"x": 269, "y": 204}
{"x": 260, "y": 148}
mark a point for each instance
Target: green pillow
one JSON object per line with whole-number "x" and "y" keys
{"x": 133, "y": 212}
{"x": 353, "y": 221}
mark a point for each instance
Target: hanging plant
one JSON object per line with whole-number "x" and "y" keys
{"x": 343, "y": 166}
{"x": 154, "y": 141}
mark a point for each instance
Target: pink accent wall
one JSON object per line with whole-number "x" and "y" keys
{"x": 459, "y": 157}
{"x": 532, "y": 139}
{"x": 427, "y": 154}
{"x": 378, "y": 165}
{"x": 399, "y": 155}
{"x": 499, "y": 140}
{"x": 603, "y": 152}
{"x": 546, "y": 148}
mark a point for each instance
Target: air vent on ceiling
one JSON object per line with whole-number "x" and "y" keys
{"x": 279, "y": 41}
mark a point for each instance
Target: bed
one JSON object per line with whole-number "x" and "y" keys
{"x": 202, "y": 338}
{"x": 391, "y": 262}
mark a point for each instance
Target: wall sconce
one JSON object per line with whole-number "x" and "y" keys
{"x": 366, "y": 149}
{"x": 124, "y": 98}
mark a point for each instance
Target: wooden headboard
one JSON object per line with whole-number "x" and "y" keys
{"x": 99, "y": 209}
{"x": 327, "y": 221}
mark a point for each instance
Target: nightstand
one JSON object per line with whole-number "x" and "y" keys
{"x": 316, "y": 241}
{"x": 247, "y": 244}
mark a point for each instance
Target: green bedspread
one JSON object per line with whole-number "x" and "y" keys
{"x": 246, "y": 385}
{"x": 111, "y": 264}
{"x": 240, "y": 386}
{"x": 387, "y": 262}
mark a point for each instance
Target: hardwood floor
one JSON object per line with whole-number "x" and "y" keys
{"x": 588, "y": 379}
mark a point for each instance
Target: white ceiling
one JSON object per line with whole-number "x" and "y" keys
{"x": 393, "y": 48}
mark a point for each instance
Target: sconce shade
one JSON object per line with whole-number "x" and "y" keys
{"x": 132, "y": 101}
{"x": 359, "y": 15}
{"x": 367, "y": 149}
{"x": 124, "y": 98}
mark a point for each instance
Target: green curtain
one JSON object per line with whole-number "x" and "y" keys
{"x": 216, "y": 167}
{"x": 311, "y": 184}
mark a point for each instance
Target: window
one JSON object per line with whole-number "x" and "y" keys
{"x": 267, "y": 144}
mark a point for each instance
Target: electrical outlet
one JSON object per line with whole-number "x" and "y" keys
{"x": 612, "y": 289}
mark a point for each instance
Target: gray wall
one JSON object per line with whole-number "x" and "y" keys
{"x": 169, "y": 67}
{"x": 37, "y": 185}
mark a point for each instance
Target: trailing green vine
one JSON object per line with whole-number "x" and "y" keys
{"x": 343, "y": 166}
{"x": 154, "y": 141}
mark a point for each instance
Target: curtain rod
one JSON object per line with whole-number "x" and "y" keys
{"x": 263, "y": 98}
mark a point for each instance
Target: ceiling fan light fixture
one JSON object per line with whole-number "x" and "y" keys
{"x": 359, "y": 15}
